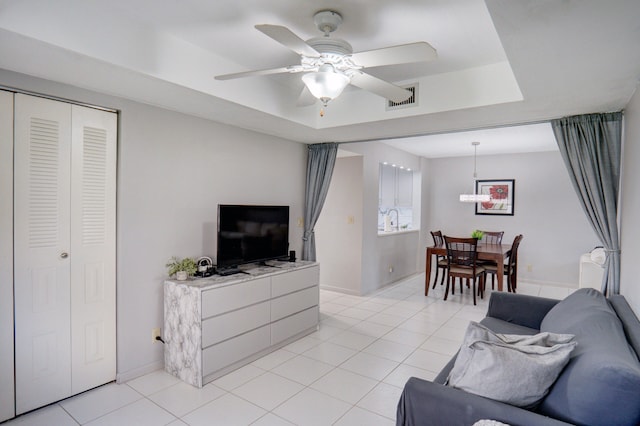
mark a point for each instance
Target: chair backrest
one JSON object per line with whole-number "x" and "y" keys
{"x": 513, "y": 256}
{"x": 461, "y": 251}
{"x": 437, "y": 238}
{"x": 492, "y": 237}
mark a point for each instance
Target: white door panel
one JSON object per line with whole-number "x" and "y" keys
{"x": 7, "y": 396}
{"x": 93, "y": 303}
{"x": 41, "y": 251}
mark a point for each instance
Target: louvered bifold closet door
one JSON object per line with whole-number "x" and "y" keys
{"x": 93, "y": 252}
{"x": 65, "y": 176}
{"x": 42, "y": 255}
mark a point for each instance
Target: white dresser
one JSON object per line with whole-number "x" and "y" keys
{"x": 215, "y": 325}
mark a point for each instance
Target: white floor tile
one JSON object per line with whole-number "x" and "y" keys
{"x": 47, "y": 416}
{"x": 372, "y": 306}
{"x": 389, "y": 350}
{"x": 405, "y": 337}
{"x": 183, "y": 398}
{"x": 371, "y": 329}
{"x": 332, "y": 308}
{"x": 419, "y": 326}
{"x": 273, "y": 359}
{"x": 302, "y": 345}
{"x": 359, "y": 417}
{"x": 347, "y": 300}
{"x": 153, "y": 382}
{"x": 177, "y": 422}
{"x": 140, "y": 413}
{"x": 98, "y": 402}
{"x": 340, "y": 321}
{"x": 403, "y": 372}
{"x": 270, "y": 419}
{"x": 451, "y": 333}
{"x": 303, "y": 370}
{"x": 227, "y": 410}
{"x": 326, "y": 332}
{"x": 238, "y": 377}
{"x": 442, "y": 346}
{"x": 311, "y": 408}
{"x": 345, "y": 385}
{"x": 352, "y": 340}
{"x": 369, "y": 365}
{"x": 427, "y": 360}
{"x": 268, "y": 391}
{"x": 357, "y": 313}
{"x": 382, "y": 400}
{"x": 387, "y": 319}
{"x": 402, "y": 310}
{"x": 330, "y": 353}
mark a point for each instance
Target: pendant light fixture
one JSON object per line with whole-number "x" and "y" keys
{"x": 475, "y": 198}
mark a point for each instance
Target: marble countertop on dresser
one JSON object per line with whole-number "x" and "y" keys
{"x": 249, "y": 273}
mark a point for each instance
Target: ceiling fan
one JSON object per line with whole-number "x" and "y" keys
{"x": 329, "y": 64}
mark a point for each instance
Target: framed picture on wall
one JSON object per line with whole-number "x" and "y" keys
{"x": 502, "y": 193}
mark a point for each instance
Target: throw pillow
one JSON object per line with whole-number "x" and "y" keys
{"x": 514, "y": 369}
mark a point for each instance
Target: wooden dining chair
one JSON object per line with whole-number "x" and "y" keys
{"x": 462, "y": 263}
{"x": 441, "y": 261}
{"x": 492, "y": 237}
{"x": 510, "y": 268}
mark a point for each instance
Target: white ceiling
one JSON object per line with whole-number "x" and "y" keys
{"x": 500, "y": 62}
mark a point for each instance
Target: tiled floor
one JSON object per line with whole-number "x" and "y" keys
{"x": 350, "y": 372}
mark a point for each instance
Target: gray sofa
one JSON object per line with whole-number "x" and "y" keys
{"x": 599, "y": 386}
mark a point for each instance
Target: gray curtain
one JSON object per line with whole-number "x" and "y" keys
{"x": 590, "y": 146}
{"x": 320, "y": 162}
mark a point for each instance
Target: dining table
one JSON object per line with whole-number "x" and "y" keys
{"x": 495, "y": 252}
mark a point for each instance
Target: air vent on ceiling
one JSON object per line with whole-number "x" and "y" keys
{"x": 410, "y": 102}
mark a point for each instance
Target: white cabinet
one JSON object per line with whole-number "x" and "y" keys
{"x": 215, "y": 325}
{"x": 64, "y": 249}
{"x": 396, "y": 187}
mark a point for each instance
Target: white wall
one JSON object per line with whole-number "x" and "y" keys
{"x": 173, "y": 170}
{"x": 400, "y": 251}
{"x": 338, "y": 242}
{"x": 547, "y": 211}
{"x": 630, "y": 206}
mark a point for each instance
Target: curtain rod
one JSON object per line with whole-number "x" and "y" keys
{"x": 471, "y": 129}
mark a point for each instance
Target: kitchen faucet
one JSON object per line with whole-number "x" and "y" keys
{"x": 397, "y": 218}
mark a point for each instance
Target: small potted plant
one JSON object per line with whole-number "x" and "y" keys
{"x": 181, "y": 268}
{"x": 477, "y": 234}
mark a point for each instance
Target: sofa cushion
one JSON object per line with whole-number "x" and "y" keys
{"x": 601, "y": 383}
{"x": 487, "y": 363}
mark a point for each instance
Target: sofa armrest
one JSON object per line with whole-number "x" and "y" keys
{"x": 428, "y": 403}
{"x": 519, "y": 309}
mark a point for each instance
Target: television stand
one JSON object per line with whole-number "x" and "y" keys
{"x": 230, "y": 271}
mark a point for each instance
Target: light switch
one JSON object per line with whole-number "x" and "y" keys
{"x": 300, "y": 222}
{"x": 350, "y": 220}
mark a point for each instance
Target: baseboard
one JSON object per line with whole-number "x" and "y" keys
{"x": 339, "y": 290}
{"x": 139, "y": 372}
{"x": 548, "y": 283}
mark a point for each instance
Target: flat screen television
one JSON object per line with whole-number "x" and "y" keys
{"x": 250, "y": 234}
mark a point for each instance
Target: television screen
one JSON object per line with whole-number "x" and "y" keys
{"x": 248, "y": 234}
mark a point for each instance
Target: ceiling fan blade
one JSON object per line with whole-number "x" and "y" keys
{"x": 380, "y": 87}
{"x": 402, "y": 54}
{"x": 305, "y": 98}
{"x": 254, "y": 73}
{"x": 287, "y": 38}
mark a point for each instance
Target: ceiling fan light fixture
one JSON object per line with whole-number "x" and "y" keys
{"x": 326, "y": 83}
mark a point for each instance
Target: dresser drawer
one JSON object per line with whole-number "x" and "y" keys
{"x": 224, "y": 299}
{"x": 233, "y": 350}
{"x": 295, "y": 280}
{"x": 294, "y": 302}
{"x": 225, "y": 326}
{"x": 290, "y": 326}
